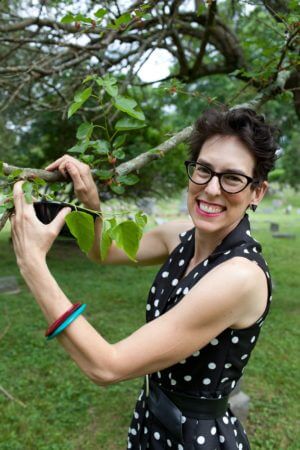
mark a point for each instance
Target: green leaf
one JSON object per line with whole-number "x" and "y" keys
{"x": 73, "y": 108}
{"x": 88, "y": 159}
{"x": 117, "y": 188}
{"x": 106, "y": 239}
{"x": 129, "y": 180}
{"x": 127, "y": 105}
{"x": 84, "y": 131}
{"x": 127, "y": 236}
{"x": 1, "y": 168}
{"x": 109, "y": 84}
{"x": 141, "y": 219}
{"x": 128, "y": 124}
{"x": 89, "y": 78}
{"x": 100, "y": 13}
{"x": 27, "y": 189}
{"x": 83, "y": 95}
{"x": 82, "y": 18}
{"x": 15, "y": 173}
{"x": 104, "y": 174}
{"x": 68, "y": 18}
{"x": 80, "y": 148}
{"x": 81, "y": 225}
{"x": 100, "y": 146}
{"x": 39, "y": 181}
{"x": 119, "y": 154}
{"x": 119, "y": 141}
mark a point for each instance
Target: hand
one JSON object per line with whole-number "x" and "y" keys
{"x": 31, "y": 238}
{"x": 84, "y": 185}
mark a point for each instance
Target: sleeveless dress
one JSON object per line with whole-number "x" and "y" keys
{"x": 210, "y": 372}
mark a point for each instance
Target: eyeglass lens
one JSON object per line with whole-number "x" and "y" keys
{"x": 230, "y": 182}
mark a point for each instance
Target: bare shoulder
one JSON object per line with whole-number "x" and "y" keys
{"x": 250, "y": 284}
{"x": 170, "y": 231}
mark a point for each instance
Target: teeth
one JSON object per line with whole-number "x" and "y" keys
{"x": 209, "y": 209}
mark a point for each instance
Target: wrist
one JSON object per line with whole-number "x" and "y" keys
{"x": 28, "y": 266}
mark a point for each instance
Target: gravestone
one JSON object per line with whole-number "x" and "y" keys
{"x": 9, "y": 285}
{"x": 277, "y": 203}
{"x": 239, "y": 402}
{"x": 284, "y": 235}
{"x": 274, "y": 227}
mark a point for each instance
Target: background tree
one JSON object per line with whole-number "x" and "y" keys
{"x": 224, "y": 53}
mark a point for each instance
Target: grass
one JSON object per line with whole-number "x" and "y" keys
{"x": 64, "y": 411}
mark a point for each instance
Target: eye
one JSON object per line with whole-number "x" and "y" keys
{"x": 232, "y": 178}
{"x": 203, "y": 170}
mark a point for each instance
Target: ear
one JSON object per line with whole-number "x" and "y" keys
{"x": 259, "y": 192}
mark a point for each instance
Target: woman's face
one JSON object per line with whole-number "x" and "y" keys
{"x": 211, "y": 209}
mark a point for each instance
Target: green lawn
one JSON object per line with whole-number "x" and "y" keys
{"x": 65, "y": 411}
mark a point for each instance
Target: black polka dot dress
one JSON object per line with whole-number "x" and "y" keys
{"x": 210, "y": 372}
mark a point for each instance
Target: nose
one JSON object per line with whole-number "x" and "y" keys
{"x": 213, "y": 188}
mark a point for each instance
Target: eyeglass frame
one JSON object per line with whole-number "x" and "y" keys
{"x": 254, "y": 181}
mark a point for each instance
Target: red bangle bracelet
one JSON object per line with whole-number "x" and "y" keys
{"x": 61, "y": 319}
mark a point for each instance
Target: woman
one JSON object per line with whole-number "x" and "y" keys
{"x": 207, "y": 302}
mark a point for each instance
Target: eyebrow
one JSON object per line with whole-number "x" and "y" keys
{"x": 205, "y": 163}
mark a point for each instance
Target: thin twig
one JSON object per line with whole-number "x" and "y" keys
{"x": 11, "y": 397}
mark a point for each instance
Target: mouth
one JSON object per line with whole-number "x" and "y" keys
{"x": 209, "y": 209}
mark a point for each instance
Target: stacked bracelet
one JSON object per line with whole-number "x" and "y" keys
{"x": 65, "y": 320}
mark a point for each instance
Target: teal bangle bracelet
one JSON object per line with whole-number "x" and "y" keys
{"x": 67, "y": 322}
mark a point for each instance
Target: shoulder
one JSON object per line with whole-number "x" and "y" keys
{"x": 170, "y": 231}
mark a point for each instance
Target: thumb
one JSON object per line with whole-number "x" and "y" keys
{"x": 59, "y": 220}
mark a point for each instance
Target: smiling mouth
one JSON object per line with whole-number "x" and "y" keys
{"x": 210, "y": 209}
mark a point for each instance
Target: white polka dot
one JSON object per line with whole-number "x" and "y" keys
{"x": 253, "y": 339}
{"x": 156, "y": 302}
{"x": 235, "y": 432}
{"x": 246, "y": 251}
{"x": 227, "y": 253}
{"x": 225, "y": 420}
{"x": 190, "y": 237}
{"x": 221, "y": 439}
{"x": 145, "y": 430}
{"x": 214, "y": 341}
{"x": 183, "y": 419}
{"x": 165, "y": 274}
{"x": 147, "y": 414}
{"x": 212, "y": 366}
{"x": 235, "y": 340}
{"x": 157, "y": 313}
{"x": 240, "y": 446}
{"x": 183, "y": 361}
{"x": 174, "y": 282}
{"x": 244, "y": 356}
{"x": 248, "y": 232}
{"x": 195, "y": 275}
{"x": 206, "y": 381}
{"x": 153, "y": 289}
{"x": 133, "y": 431}
{"x": 205, "y": 262}
{"x": 270, "y": 298}
{"x": 158, "y": 374}
{"x": 178, "y": 291}
{"x": 197, "y": 353}
{"x": 268, "y": 275}
{"x": 157, "y": 435}
{"x": 181, "y": 249}
{"x": 185, "y": 291}
{"x": 180, "y": 447}
{"x": 227, "y": 365}
{"x": 183, "y": 233}
{"x": 233, "y": 420}
{"x": 129, "y": 445}
{"x": 224, "y": 379}
{"x": 169, "y": 443}
{"x": 187, "y": 378}
{"x": 213, "y": 430}
{"x": 170, "y": 375}
{"x": 148, "y": 307}
{"x": 201, "y": 440}
{"x": 173, "y": 382}
{"x": 136, "y": 415}
{"x": 232, "y": 384}
{"x": 255, "y": 249}
{"x": 181, "y": 262}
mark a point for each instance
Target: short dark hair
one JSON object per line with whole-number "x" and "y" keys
{"x": 251, "y": 128}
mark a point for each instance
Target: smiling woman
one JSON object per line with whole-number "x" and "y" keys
{"x": 206, "y": 305}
